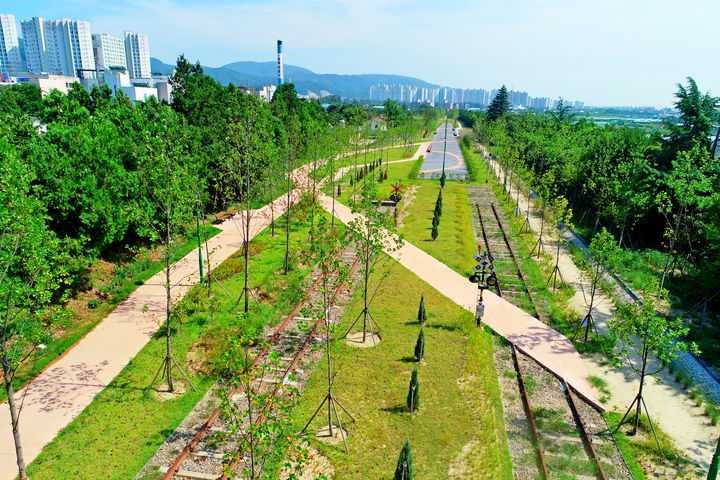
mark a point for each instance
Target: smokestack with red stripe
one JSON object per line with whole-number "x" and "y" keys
{"x": 280, "y": 64}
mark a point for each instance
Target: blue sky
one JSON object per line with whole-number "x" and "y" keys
{"x": 611, "y": 52}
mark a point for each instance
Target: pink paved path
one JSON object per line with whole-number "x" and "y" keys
{"x": 58, "y": 395}
{"x": 547, "y": 346}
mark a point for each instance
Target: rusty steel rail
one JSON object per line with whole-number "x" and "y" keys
{"x": 237, "y": 456}
{"x": 521, "y": 275}
{"x": 200, "y": 434}
{"x": 535, "y": 432}
{"x": 583, "y": 431}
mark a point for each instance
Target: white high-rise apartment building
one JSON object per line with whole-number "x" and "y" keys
{"x": 10, "y": 61}
{"x": 137, "y": 51}
{"x": 34, "y": 44}
{"x": 108, "y": 51}
{"x": 61, "y": 47}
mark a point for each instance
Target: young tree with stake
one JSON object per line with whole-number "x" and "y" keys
{"x": 168, "y": 206}
{"x": 603, "y": 254}
{"x": 326, "y": 250}
{"x": 647, "y": 342}
{"x": 249, "y": 137}
{"x": 32, "y": 269}
{"x": 370, "y": 231}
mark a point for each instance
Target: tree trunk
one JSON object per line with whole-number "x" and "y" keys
{"x": 286, "y": 264}
{"x": 247, "y": 262}
{"x": 365, "y": 287}
{"x": 639, "y": 397}
{"x": 14, "y": 414}
{"x": 168, "y": 304}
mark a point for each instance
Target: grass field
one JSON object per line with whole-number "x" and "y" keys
{"x": 122, "y": 283}
{"x": 455, "y": 244}
{"x": 459, "y": 392}
{"x": 126, "y": 423}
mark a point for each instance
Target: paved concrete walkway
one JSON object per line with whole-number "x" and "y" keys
{"x": 454, "y": 162}
{"x": 58, "y": 395}
{"x": 539, "y": 341}
{"x": 64, "y": 389}
{"x": 670, "y": 406}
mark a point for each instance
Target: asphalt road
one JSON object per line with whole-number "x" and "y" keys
{"x": 452, "y": 156}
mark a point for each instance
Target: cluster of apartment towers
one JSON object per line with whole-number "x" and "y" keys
{"x": 57, "y": 53}
{"x": 459, "y": 97}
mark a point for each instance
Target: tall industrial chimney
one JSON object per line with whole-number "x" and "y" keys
{"x": 280, "y": 65}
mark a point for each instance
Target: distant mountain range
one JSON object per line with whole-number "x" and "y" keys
{"x": 255, "y": 74}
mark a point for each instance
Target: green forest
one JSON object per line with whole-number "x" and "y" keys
{"x": 655, "y": 189}
{"x": 88, "y": 179}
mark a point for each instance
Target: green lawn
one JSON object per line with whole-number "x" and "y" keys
{"x": 124, "y": 281}
{"x": 397, "y": 172}
{"x": 372, "y": 385}
{"x": 455, "y": 244}
{"x": 125, "y": 424}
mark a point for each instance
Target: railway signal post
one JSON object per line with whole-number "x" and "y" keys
{"x": 484, "y": 275}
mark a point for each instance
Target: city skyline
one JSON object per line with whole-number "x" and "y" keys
{"x": 614, "y": 54}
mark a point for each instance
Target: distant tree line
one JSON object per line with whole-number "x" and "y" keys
{"x": 657, "y": 189}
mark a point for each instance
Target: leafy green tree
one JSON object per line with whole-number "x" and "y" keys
{"x": 560, "y": 217}
{"x": 249, "y": 136}
{"x": 422, "y": 315}
{"x": 371, "y": 233}
{"x": 286, "y": 108}
{"x": 698, "y": 114}
{"x": 32, "y": 271}
{"x": 394, "y": 113}
{"x": 434, "y": 232}
{"x": 21, "y": 98}
{"x": 562, "y": 113}
{"x": 413, "y": 396}
{"x": 603, "y": 256}
{"x": 168, "y": 206}
{"x": 500, "y": 105}
{"x": 420, "y": 346}
{"x": 687, "y": 197}
{"x": 353, "y": 114}
{"x": 643, "y": 335}
{"x": 404, "y": 468}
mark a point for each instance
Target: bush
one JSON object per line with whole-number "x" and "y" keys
{"x": 422, "y": 315}
{"x": 434, "y": 232}
{"x": 404, "y": 468}
{"x": 93, "y": 304}
{"x": 415, "y": 170}
{"x": 413, "y": 396}
{"x": 420, "y": 346}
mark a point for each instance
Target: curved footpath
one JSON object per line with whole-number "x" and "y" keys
{"x": 545, "y": 345}
{"x": 50, "y": 401}
{"x": 58, "y": 395}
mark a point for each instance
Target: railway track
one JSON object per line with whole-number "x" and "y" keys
{"x": 549, "y": 426}
{"x": 210, "y": 453}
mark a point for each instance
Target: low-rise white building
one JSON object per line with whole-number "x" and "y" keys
{"x": 48, "y": 82}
